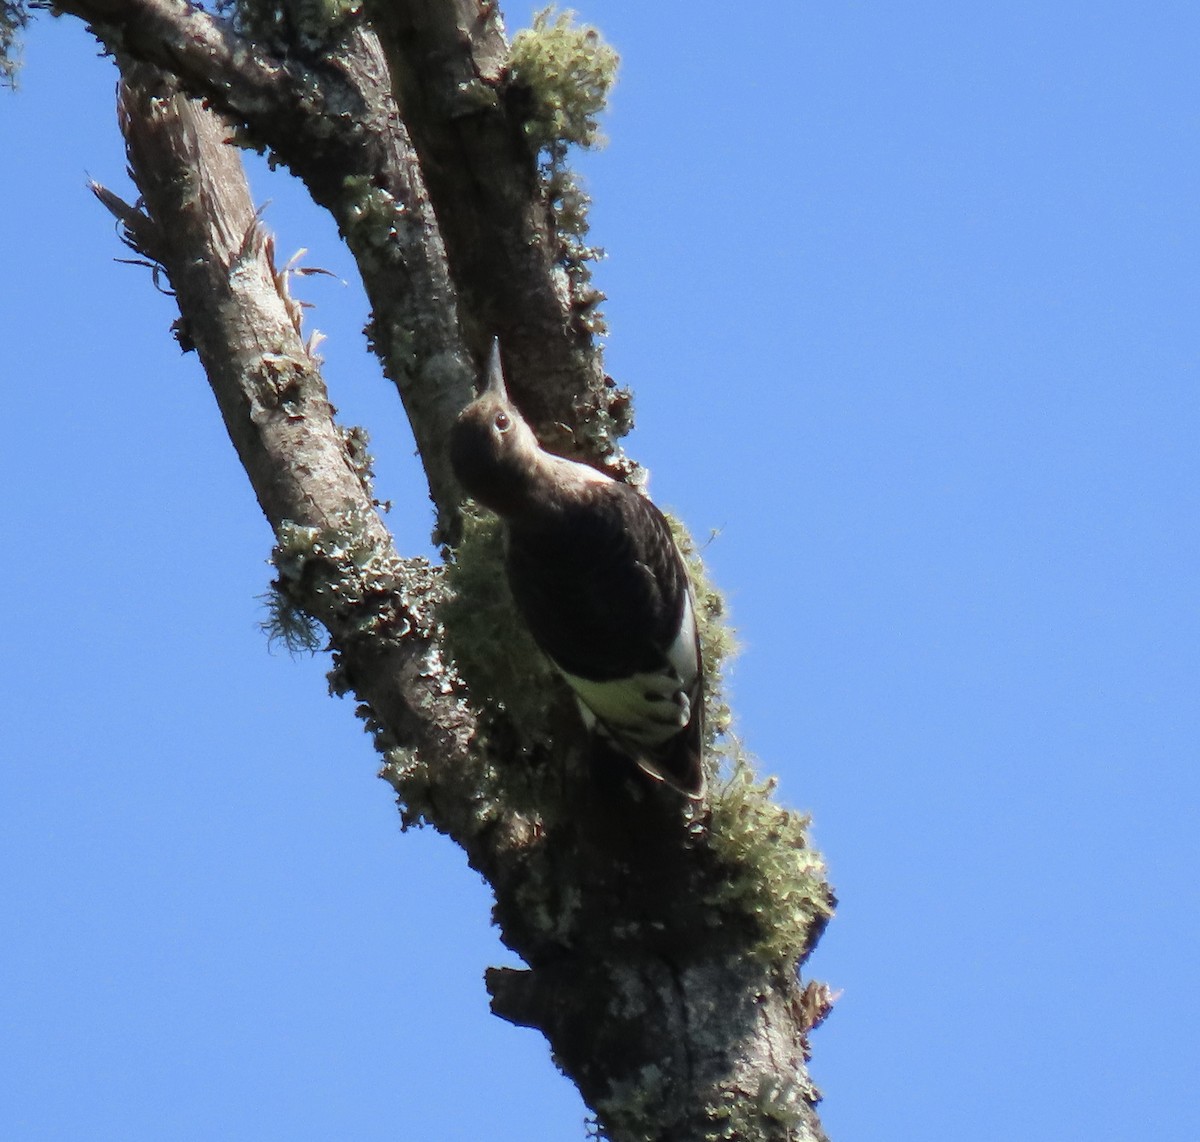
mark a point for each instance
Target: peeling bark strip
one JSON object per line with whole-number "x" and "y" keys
{"x": 662, "y": 940}
{"x": 336, "y": 557}
{"x": 336, "y": 127}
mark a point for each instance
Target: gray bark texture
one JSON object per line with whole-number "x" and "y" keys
{"x": 662, "y": 941}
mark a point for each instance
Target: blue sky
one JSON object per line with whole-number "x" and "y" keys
{"x": 907, "y": 294}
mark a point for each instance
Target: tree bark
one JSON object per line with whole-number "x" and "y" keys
{"x": 662, "y": 940}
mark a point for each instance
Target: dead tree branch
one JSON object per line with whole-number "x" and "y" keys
{"x": 339, "y": 131}
{"x": 662, "y": 942}
{"x": 335, "y": 556}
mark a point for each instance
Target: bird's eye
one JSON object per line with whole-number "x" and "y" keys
{"x": 503, "y": 422}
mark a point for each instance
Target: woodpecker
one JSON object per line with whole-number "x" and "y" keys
{"x": 598, "y": 580}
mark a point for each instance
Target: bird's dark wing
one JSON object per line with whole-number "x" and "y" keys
{"x": 605, "y": 593}
{"x": 601, "y": 584}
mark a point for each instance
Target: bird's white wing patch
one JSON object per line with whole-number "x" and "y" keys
{"x": 683, "y": 655}
{"x": 647, "y": 709}
{"x": 643, "y": 709}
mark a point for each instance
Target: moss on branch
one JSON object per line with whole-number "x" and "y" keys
{"x": 568, "y": 70}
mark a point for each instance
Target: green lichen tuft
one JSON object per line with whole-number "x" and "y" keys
{"x": 769, "y": 872}
{"x": 487, "y": 641}
{"x": 568, "y": 71}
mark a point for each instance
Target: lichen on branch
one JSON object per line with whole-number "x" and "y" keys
{"x": 773, "y": 877}
{"x": 568, "y": 70}
{"x": 14, "y": 15}
{"x": 491, "y": 648}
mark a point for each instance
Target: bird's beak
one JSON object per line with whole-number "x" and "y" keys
{"x": 495, "y": 373}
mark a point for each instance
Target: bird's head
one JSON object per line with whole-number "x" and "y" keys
{"x": 493, "y": 450}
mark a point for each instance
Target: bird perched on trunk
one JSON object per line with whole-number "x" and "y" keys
{"x": 599, "y": 581}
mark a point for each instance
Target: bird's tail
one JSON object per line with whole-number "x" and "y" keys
{"x": 678, "y": 762}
